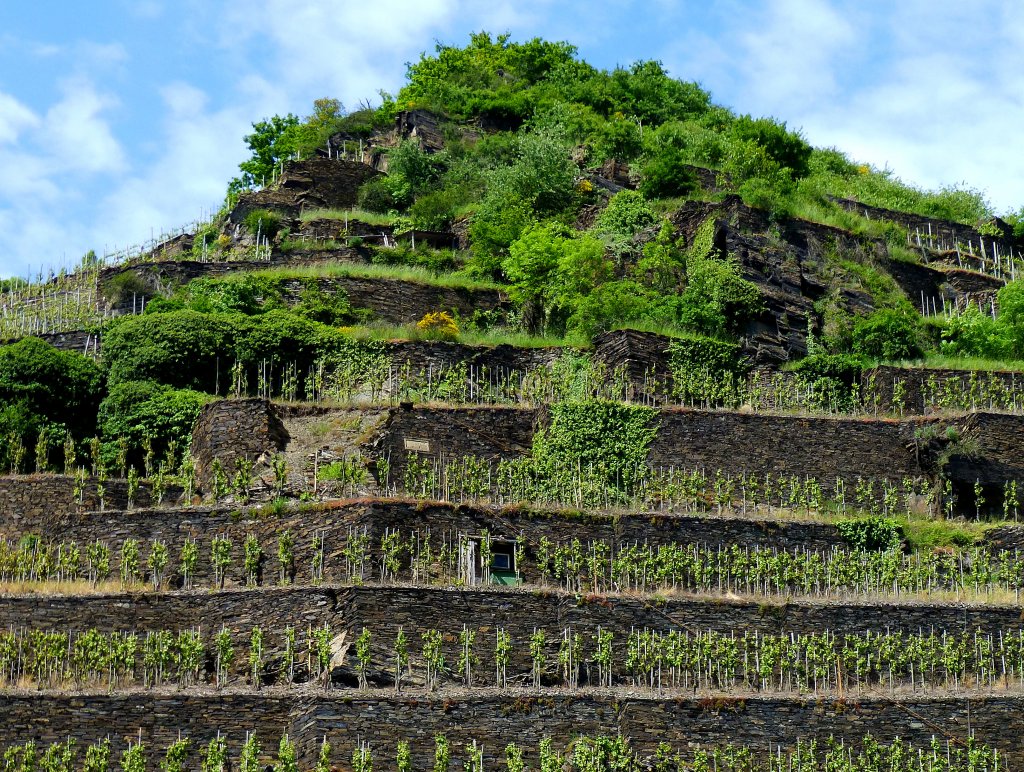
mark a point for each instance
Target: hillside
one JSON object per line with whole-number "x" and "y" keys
{"x": 542, "y": 416}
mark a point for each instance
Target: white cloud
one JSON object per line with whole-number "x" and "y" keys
{"x": 78, "y": 136}
{"x": 933, "y": 88}
{"x": 189, "y": 173}
{"x": 14, "y": 118}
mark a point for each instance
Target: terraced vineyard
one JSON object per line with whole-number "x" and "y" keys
{"x": 321, "y": 487}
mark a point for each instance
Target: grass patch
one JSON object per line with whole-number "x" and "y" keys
{"x": 362, "y": 215}
{"x": 923, "y": 534}
{"x": 408, "y": 273}
{"x": 493, "y": 337}
{"x": 831, "y": 214}
{"x": 967, "y": 364}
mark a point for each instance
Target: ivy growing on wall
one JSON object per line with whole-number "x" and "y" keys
{"x": 601, "y": 445}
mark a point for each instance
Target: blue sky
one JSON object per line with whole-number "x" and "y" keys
{"x": 121, "y": 117}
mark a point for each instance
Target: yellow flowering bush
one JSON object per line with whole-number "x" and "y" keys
{"x": 439, "y": 324}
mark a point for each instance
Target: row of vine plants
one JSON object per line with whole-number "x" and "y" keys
{"x": 821, "y": 662}
{"x": 583, "y": 753}
{"x": 597, "y": 566}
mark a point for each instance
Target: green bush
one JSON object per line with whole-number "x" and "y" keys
{"x": 264, "y": 222}
{"x": 975, "y": 333}
{"x": 872, "y": 533}
{"x": 888, "y": 334}
{"x": 40, "y": 385}
{"x": 436, "y": 210}
{"x": 834, "y": 378}
{"x": 542, "y": 175}
{"x": 605, "y": 443}
{"x": 192, "y": 350}
{"x": 786, "y": 148}
{"x": 627, "y": 213}
{"x": 717, "y": 300}
{"x": 246, "y": 294}
{"x": 667, "y": 175}
{"x": 135, "y": 410}
{"x": 332, "y": 308}
{"x": 378, "y": 195}
{"x": 705, "y": 354}
{"x": 496, "y": 224}
{"x": 125, "y": 286}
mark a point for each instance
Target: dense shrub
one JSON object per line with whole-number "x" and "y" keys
{"x": 976, "y": 333}
{"x": 263, "y": 222}
{"x": 192, "y": 350}
{"x": 378, "y": 195}
{"x": 40, "y": 385}
{"x": 872, "y": 533}
{"x": 604, "y": 443}
{"x": 786, "y": 148}
{"x": 137, "y": 410}
{"x": 666, "y": 175}
{"x": 834, "y": 378}
{"x": 888, "y": 334}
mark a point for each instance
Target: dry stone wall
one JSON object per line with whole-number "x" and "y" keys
{"x": 930, "y": 230}
{"x": 824, "y": 448}
{"x": 231, "y": 430}
{"x": 920, "y": 386}
{"x": 31, "y": 503}
{"x": 395, "y": 301}
{"x": 491, "y": 433}
{"x": 333, "y": 522}
{"x": 494, "y": 720}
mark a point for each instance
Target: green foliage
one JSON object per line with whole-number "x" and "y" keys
{"x": 833, "y": 377}
{"x": 378, "y": 195}
{"x": 553, "y": 272}
{"x": 271, "y": 141}
{"x": 627, "y": 213}
{"x": 603, "y": 443}
{"x": 495, "y": 226}
{"x": 331, "y": 308}
{"x": 542, "y": 174}
{"x": 666, "y": 174}
{"x": 872, "y": 533}
{"x": 263, "y": 222}
{"x": 246, "y": 294}
{"x": 135, "y": 410}
{"x": 695, "y": 353}
{"x": 489, "y": 77}
{"x": 124, "y": 286}
{"x": 436, "y": 210}
{"x": 976, "y": 333}
{"x": 42, "y": 388}
{"x": 888, "y": 334}
{"x": 787, "y": 149}
{"x": 191, "y": 350}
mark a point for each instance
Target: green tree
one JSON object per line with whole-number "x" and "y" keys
{"x": 271, "y": 141}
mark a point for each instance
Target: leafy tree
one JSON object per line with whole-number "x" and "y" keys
{"x": 550, "y": 270}
{"x": 543, "y": 175}
{"x": 717, "y": 300}
{"x": 667, "y": 174}
{"x": 495, "y": 226}
{"x": 489, "y": 77}
{"x": 271, "y": 141}
{"x": 627, "y": 214}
